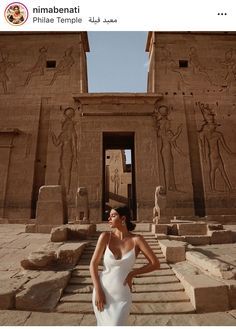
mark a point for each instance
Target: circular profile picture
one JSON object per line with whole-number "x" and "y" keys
{"x": 16, "y": 13}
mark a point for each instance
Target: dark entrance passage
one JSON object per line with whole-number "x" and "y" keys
{"x": 118, "y": 172}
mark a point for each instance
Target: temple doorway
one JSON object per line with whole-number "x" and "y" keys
{"x": 118, "y": 172}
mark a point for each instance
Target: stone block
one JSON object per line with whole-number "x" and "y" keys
{"x": 144, "y": 227}
{"x": 198, "y": 240}
{"x": 14, "y": 318}
{"x": 8, "y": 289}
{"x": 174, "y": 251}
{"x": 176, "y": 238}
{"x": 39, "y": 259}
{"x": 213, "y": 266}
{"x": 69, "y": 253}
{"x": 214, "y": 227}
{"x": 44, "y": 228}
{"x": 222, "y": 236}
{"x": 205, "y": 293}
{"x": 51, "y": 206}
{"x": 30, "y": 228}
{"x": 231, "y": 284}
{"x": 80, "y": 231}
{"x": 160, "y": 228}
{"x": 192, "y": 229}
{"x": 50, "y": 193}
{"x": 43, "y": 292}
{"x": 59, "y": 234}
{"x": 162, "y": 220}
{"x": 160, "y": 236}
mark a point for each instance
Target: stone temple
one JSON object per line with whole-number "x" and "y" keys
{"x": 180, "y": 133}
{"x": 67, "y": 156}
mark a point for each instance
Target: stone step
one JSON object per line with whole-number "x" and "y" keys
{"x": 155, "y": 247}
{"x": 158, "y": 287}
{"x": 70, "y": 289}
{"x": 156, "y": 279}
{"x": 162, "y": 260}
{"x": 140, "y": 280}
{"x": 162, "y": 308}
{"x": 86, "y": 267}
{"x": 139, "y": 260}
{"x": 78, "y": 289}
{"x": 158, "y": 254}
{"x": 157, "y": 297}
{"x": 136, "y": 308}
{"x": 86, "y": 273}
{"x": 158, "y": 292}
{"x": 163, "y": 266}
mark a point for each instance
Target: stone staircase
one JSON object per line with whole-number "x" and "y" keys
{"x": 155, "y": 293}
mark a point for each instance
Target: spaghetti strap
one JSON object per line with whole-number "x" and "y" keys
{"x": 109, "y": 240}
{"x": 134, "y": 243}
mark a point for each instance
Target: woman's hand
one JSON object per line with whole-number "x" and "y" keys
{"x": 129, "y": 280}
{"x": 100, "y": 299}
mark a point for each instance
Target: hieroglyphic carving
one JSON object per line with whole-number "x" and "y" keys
{"x": 211, "y": 142}
{"x": 5, "y": 64}
{"x": 170, "y": 65}
{"x": 67, "y": 140}
{"x": 196, "y": 64}
{"x": 229, "y": 64}
{"x": 115, "y": 178}
{"x": 39, "y": 66}
{"x": 63, "y": 67}
{"x": 167, "y": 143}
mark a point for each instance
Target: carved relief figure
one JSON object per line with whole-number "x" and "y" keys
{"x": 116, "y": 181}
{"x": 196, "y": 64}
{"x": 67, "y": 140}
{"x": 170, "y": 64}
{"x": 39, "y": 66}
{"x": 160, "y": 203}
{"x": 207, "y": 112}
{"x": 81, "y": 203}
{"x": 230, "y": 64}
{"x": 63, "y": 67}
{"x": 167, "y": 139}
{"x": 211, "y": 142}
{"x": 4, "y": 66}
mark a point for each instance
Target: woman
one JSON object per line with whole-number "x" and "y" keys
{"x": 112, "y": 288}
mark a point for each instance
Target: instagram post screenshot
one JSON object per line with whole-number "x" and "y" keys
{"x": 117, "y": 163}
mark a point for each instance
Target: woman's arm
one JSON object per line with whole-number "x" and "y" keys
{"x": 153, "y": 262}
{"x": 100, "y": 299}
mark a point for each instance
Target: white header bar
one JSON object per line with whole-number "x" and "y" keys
{"x": 118, "y": 15}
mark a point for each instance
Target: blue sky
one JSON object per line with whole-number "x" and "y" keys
{"x": 117, "y": 62}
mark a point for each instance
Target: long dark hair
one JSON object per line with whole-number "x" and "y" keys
{"x": 125, "y": 211}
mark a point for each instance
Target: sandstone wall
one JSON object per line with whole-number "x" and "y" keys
{"x": 195, "y": 72}
{"x": 39, "y": 74}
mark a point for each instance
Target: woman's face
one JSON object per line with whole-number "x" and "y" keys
{"x": 16, "y": 9}
{"x": 114, "y": 219}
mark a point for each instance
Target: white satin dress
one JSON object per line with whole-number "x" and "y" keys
{"x": 118, "y": 296}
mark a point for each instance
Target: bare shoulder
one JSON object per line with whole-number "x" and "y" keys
{"x": 138, "y": 238}
{"x": 104, "y": 236}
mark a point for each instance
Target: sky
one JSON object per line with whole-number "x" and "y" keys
{"x": 117, "y": 62}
